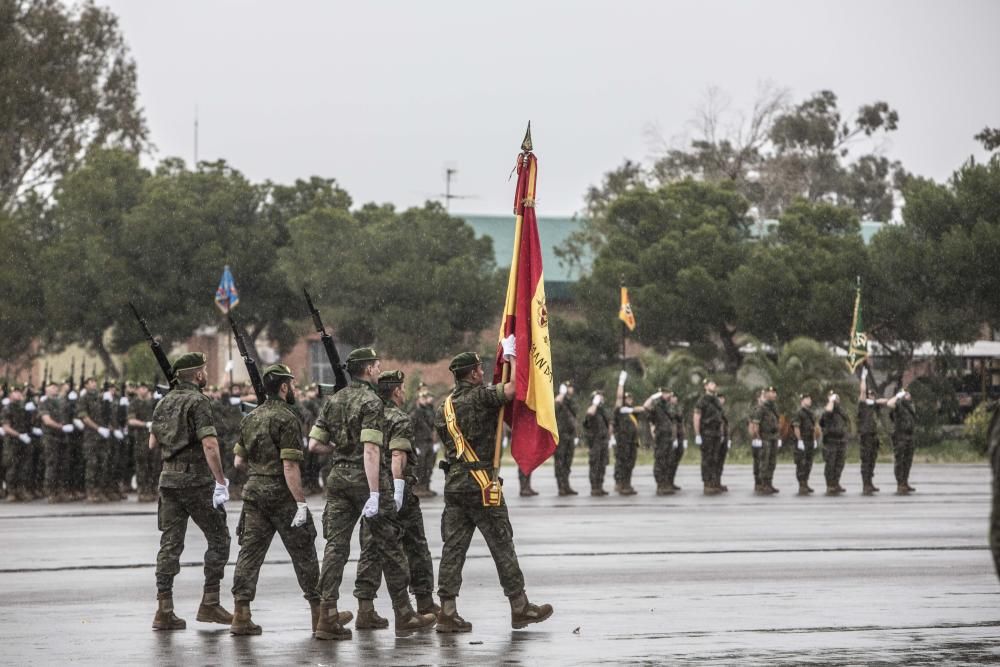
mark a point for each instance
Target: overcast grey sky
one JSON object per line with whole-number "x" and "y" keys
{"x": 383, "y": 95}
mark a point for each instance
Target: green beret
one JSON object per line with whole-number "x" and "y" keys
{"x": 189, "y": 361}
{"x": 362, "y": 354}
{"x": 463, "y": 361}
{"x": 278, "y": 370}
{"x": 387, "y": 378}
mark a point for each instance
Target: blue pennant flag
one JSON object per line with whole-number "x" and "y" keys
{"x": 226, "y": 295}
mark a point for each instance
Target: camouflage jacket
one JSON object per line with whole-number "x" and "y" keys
{"x": 180, "y": 420}
{"x": 662, "y": 420}
{"x": 477, "y": 408}
{"x": 868, "y": 418}
{"x": 806, "y": 422}
{"x": 398, "y": 436}
{"x": 15, "y": 416}
{"x": 904, "y": 417}
{"x": 140, "y": 409}
{"x": 269, "y": 436}
{"x": 422, "y": 419}
{"x": 54, "y": 408}
{"x": 566, "y": 419}
{"x": 626, "y": 426}
{"x": 711, "y": 415}
{"x": 92, "y": 404}
{"x": 766, "y": 418}
{"x": 351, "y": 417}
{"x": 596, "y": 426}
{"x": 834, "y": 423}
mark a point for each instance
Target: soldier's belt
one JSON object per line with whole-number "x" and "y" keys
{"x": 345, "y": 464}
{"x": 266, "y": 474}
{"x": 492, "y": 493}
{"x": 184, "y": 466}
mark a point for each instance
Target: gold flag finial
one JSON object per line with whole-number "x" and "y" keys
{"x": 526, "y": 144}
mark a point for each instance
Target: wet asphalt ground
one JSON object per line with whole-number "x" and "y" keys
{"x": 732, "y": 579}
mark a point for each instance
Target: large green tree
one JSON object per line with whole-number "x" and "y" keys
{"x": 69, "y": 84}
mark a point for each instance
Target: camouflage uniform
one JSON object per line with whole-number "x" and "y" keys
{"x": 834, "y": 425}
{"x": 868, "y": 432}
{"x": 724, "y": 443}
{"x": 227, "y": 418}
{"x": 269, "y": 436}
{"x": 626, "y": 444}
{"x": 712, "y": 443}
{"x": 350, "y": 418}
{"x": 676, "y": 453}
{"x": 477, "y": 408}
{"x": 96, "y": 449}
{"x": 663, "y": 443}
{"x": 806, "y": 423}
{"x": 422, "y": 417}
{"x": 904, "y": 419}
{"x": 398, "y": 436}
{"x": 17, "y": 454}
{"x": 766, "y": 418}
{"x": 566, "y": 425}
{"x": 147, "y": 463}
{"x": 180, "y": 421}
{"x": 54, "y": 444}
{"x": 595, "y": 436}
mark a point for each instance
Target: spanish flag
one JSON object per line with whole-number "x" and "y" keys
{"x": 625, "y": 313}
{"x": 531, "y": 415}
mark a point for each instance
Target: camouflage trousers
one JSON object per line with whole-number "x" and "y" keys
{"x": 124, "y": 462}
{"x": 425, "y": 462}
{"x": 869, "y": 454}
{"x": 625, "y": 451}
{"x": 598, "y": 462}
{"x": 902, "y": 448}
{"x": 17, "y": 462}
{"x": 97, "y": 453}
{"x": 175, "y": 508}
{"x": 804, "y": 460}
{"x": 563, "y": 460}
{"x": 344, "y": 502}
{"x": 712, "y": 451}
{"x": 834, "y": 453}
{"x": 148, "y": 463}
{"x": 56, "y": 463}
{"x": 662, "y": 450}
{"x": 415, "y": 546}
{"x": 463, "y": 514}
{"x": 268, "y": 509}
{"x": 311, "y": 465}
{"x": 768, "y": 460}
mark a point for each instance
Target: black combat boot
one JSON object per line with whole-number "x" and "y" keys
{"x": 448, "y": 619}
{"x": 242, "y": 623}
{"x": 368, "y": 618}
{"x": 165, "y": 618}
{"x": 524, "y": 613}
{"x": 210, "y": 611}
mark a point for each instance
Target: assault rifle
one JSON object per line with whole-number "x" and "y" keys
{"x": 154, "y": 345}
{"x": 339, "y": 376}
{"x": 252, "y": 370}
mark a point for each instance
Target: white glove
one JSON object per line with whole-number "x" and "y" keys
{"x": 149, "y": 426}
{"x": 625, "y": 410}
{"x": 697, "y": 440}
{"x": 235, "y": 400}
{"x": 869, "y": 402}
{"x": 576, "y": 441}
{"x": 563, "y": 389}
{"x": 229, "y": 365}
{"x": 5, "y": 402}
{"x": 78, "y": 423}
{"x": 756, "y": 443}
{"x": 398, "y": 485}
{"x": 29, "y": 406}
{"x": 899, "y": 395}
{"x": 371, "y": 505}
{"x": 657, "y": 396}
{"x": 612, "y": 442}
{"x": 118, "y": 434}
{"x": 801, "y": 446}
{"x": 106, "y": 396}
{"x": 72, "y": 395}
{"x": 43, "y": 399}
{"x": 25, "y": 438}
{"x": 778, "y": 445}
{"x": 834, "y": 397}
{"x": 37, "y": 432}
{"x": 123, "y": 401}
{"x": 157, "y": 395}
{"x": 677, "y": 443}
{"x": 67, "y": 428}
{"x": 597, "y": 400}
{"x": 729, "y": 444}
{"x": 301, "y": 514}
{"x": 864, "y": 373}
{"x": 622, "y": 377}
{"x": 685, "y": 445}
{"x": 104, "y": 432}
{"x": 509, "y": 345}
{"x": 221, "y": 494}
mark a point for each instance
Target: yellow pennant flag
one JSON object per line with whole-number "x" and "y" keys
{"x": 625, "y": 313}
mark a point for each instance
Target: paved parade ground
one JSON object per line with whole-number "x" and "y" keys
{"x": 732, "y": 579}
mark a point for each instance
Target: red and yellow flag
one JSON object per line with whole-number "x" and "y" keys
{"x": 532, "y": 414}
{"x": 625, "y": 313}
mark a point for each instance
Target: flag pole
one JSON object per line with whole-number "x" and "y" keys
{"x": 230, "y": 353}
{"x": 621, "y": 286}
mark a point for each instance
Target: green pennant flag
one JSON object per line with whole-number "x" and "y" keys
{"x": 857, "y": 350}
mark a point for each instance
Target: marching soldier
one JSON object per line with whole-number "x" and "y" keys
{"x": 596, "y": 430}
{"x": 53, "y": 411}
{"x": 350, "y": 428}
{"x": 764, "y": 428}
{"x": 467, "y": 425}
{"x": 400, "y": 458}
{"x": 424, "y": 437}
{"x": 834, "y": 423}
{"x": 566, "y": 425}
{"x": 658, "y": 406}
{"x": 904, "y": 420}
{"x": 680, "y": 440}
{"x": 191, "y": 487}
{"x": 270, "y": 449}
{"x": 17, "y": 451}
{"x": 806, "y": 445}
{"x": 96, "y": 441}
{"x": 869, "y": 407}
{"x": 147, "y": 465}
{"x": 708, "y": 417}
{"x": 626, "y": 428}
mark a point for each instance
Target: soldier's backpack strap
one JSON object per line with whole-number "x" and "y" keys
{"x": 468, "y": 455}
